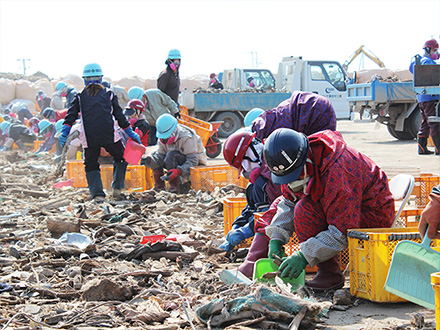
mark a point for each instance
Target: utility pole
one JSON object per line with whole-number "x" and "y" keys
{"x": 24, "y": 64}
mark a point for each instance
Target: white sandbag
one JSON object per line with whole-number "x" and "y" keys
{"x": 404, "y": 75}
{"x": 7, "y": 90}
{"x": 26, "y": 90}
{"x": 122, "y": 95}
{"x": 130, "y": 82}
{"x": 72, "y": 81}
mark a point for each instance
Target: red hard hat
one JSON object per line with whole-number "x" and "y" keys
{"x": 235, "y": 147}
{"x": 432, "y": 43}
{"x": 136, "y": 104}
{"x": 212, "y": 75}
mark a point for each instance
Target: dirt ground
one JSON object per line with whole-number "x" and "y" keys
{"x": 394, "y": 157}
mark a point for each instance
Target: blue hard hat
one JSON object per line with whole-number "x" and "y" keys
{"x": 251, "y": 116}
{"x": 59, "y": 125}
{"x": 43, "y": 125}
{"x": 174, "y": 54}
{"x": 60, "y": 85}
{"x": 92, "y": 70}
{"x": 4, "y": 126}
{"x": 165, "y": 126}
{"x": 135, "y": 92}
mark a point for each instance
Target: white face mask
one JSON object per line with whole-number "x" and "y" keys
{"x": 252, "y": 160}
{"x": 296, "y": 186}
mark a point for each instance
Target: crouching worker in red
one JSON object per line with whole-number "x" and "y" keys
{"x": 134, "y": 112}
{"x": 179, "y": 148}
{"x": 100, "y": 117}
{"x": 328, "y": 188}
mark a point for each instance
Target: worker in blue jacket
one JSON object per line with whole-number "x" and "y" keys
{"x": 100, "y": 115}
{"x": 428, "y": 103}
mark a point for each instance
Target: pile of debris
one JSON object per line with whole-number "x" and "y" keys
{"x": 239, "y": 90}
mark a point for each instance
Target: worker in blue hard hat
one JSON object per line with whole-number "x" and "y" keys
{"x": 251, "y": 116}
{"x": 18, "y": 133}
{"x": 47, "y": 131}
{"x": 100, "y": 111}
{"x": 179, "y": 149}
{"x": 66, "y": 91}
{"x": 169, "y": 80}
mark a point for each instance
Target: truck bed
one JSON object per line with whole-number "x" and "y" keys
{"x": 209, "y": 102}
{"x": 381, "y": 92}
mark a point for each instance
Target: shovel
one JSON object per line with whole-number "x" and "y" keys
{"x": 409, "y": 276}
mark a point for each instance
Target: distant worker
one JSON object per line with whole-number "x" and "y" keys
{"x": 134, "y": 112}
{"x": 251, "y": 82}
{"x": 214, "y": 82}
{"x": 169, "y": 80}
{"x": 65, "y": 91}
{"x": 22, "y": 111}
{"x": 100, "y": 115}
{"x": 42, "y": 101}
{"x": 135, "y": 92}
{"x": 54, "y": 115}
{"x": 21, "y": 135}
{"x": 427, "y": 103}
{"x": 430, "y": 218}
{"x": 47, "y": 130}
{"x": 180, "y": 148}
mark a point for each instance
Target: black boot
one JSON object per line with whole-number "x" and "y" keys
{"x": 436, "y": 141}
{"x": 158, "y": 182}
{"x": 422, "y": 142}
{"x": 94, "y": 182}
{"x": 328, "y": 277}
{"x": 174, "y": 185}
{"x": 119, "y": 169}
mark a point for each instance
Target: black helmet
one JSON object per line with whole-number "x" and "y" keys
{"x": 49, "y": 113}
{"x": 285, "y": 152}
{"x": 107, "y": 84}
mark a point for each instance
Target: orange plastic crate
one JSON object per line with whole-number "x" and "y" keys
{"x": 423, "y": 186}
{"x": 202, "y": 128}
{"x": 207, "y": 178}
{"x": 135, "y": 177}
{"x": 38, "y": 143}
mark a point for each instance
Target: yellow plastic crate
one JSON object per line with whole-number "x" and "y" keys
{"x": 423, "y": 186}
{"x": 38, "y": 143}
{"x": 202, "y": 128}
{"x": 410, "y": 217}
{"x": 135, "y": 177}
{"x": 435, "y": 281}
{"x": 371, "y": 251}
{"x": 207, "y": 178}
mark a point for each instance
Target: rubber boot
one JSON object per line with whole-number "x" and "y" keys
{"x": 328, "y": 277}
{"x": 259, "y": 249}
{"x": 94, "y": 182}
{"x": 119, "y": 169}
{"x": 174, "y": 185}
{"x": 436, "y": 141}
{"x": 20, "y": 145}
{"x": 422, "y": 142}
{"x": 158, "y": 182}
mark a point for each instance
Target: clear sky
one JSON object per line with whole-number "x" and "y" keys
{"x": 129, "y": 38}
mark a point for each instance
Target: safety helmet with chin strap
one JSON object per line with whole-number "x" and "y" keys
{"x": 285, "y": 152}
{"x": 235, "y": 147}
{"x": 165, "y": 126}
{"x": 92, "y": 74}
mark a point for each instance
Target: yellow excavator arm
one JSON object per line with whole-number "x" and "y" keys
{"x": 364, "y": 51}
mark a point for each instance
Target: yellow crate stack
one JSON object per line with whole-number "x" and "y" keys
{"x": 207, "y": 178}
{"x": 435, "y": 281}
{"x": 135, "y": 178}
{"x": 371, "y": 251}
{"x": 38, "y": 143}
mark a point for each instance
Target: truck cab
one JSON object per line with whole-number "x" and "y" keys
{"x": 240, "y": 78}
{"x": 326, "y": 78}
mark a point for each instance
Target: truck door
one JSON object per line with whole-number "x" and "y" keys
{"x": 329, "y": 80}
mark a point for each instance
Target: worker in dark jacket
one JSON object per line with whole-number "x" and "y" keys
{"x": 169, "y": 80}
{"x": 100, "y": 115}
{"x": 427, "y": 104}
{"x": 68, "y": 92}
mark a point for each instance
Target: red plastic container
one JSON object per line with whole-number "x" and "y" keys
{"x": 156, "y": 238}
{"x": 133, "y": 152}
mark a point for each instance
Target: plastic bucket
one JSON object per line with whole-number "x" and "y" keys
{"x": 133, "y": 152}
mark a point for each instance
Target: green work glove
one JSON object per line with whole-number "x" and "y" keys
{"x": 293, "y": 266}
{"x": 276, "y": 247}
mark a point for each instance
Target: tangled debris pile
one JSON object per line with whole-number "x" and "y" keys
{"x": 239, "y": 90}
{"x": 68, "y": 262}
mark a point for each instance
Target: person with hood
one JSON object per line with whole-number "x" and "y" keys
{"x": 66, "y": 91}
{"x": 19, "y": 134}
{"x": 47, "y": 130}
{"x": 328, "y": 188}
{"x": 134, "y": 112}
{"x": 42, "y": 101}
{"x": 214, "y": 82}
{"x": 304, "y": 112}
{"x": 157, "y": 103}
{"x": 100, "y": 117}
{"x": 427, "y": 103}
{"x": 179, "y": 149}
{"x": 169, "y": 80}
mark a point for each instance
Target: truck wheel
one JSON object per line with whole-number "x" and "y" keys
{"x": 213, "y": 147}
{"x": 231, "y": 123}
{"x": 398, "y": 134}
{"x": 412, "y": 123}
